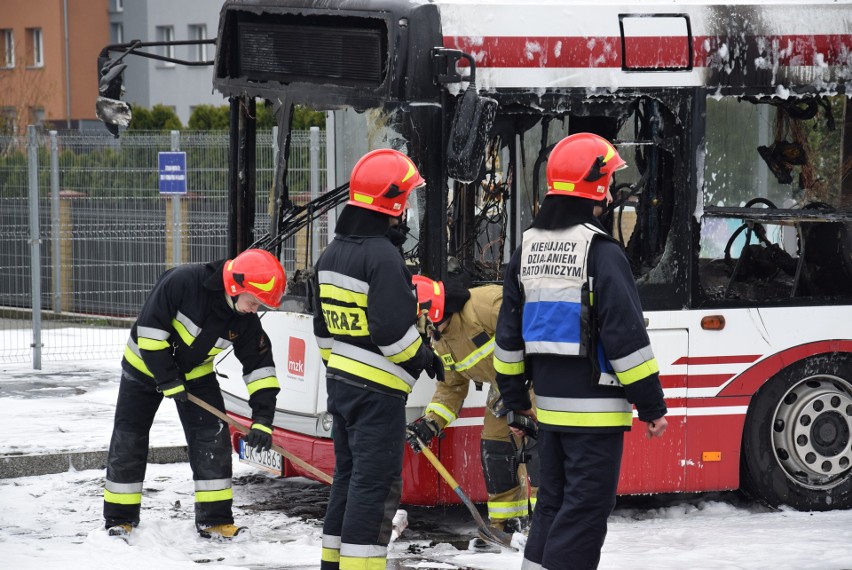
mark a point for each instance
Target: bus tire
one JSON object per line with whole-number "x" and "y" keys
{"x": 797, "y": 442}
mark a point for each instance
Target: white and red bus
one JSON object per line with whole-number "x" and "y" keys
{"x": 736, "y": 122}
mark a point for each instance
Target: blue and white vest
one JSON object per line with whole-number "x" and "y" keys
{"x": 558, "y": 294}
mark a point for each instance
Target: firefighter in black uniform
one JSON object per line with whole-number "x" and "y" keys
{"x": 365, "y": 313}
{"x": 193, "y": 313}
{"x": 571, "y": 322}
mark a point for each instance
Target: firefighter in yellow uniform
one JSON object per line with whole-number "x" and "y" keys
{"x": 465, "y": 321}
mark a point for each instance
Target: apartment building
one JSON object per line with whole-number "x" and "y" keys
{"x": 48, "y": 62}
{"x": 150, "y": 82}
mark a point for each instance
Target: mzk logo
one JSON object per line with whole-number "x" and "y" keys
{"x": 296, "y": 357}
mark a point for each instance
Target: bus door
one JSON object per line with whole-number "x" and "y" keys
{"x": 659, "y": 465}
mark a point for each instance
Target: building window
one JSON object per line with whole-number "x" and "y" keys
{"x": 8, "y": 120}
{"x": 7, "y": 58}
{"x": 166, "y": 34}
{"x": 198, "y": 32}
{"x": 119, "y": 5}
{"x": 35, "y": 47}
{"x": 37, "y": 116}
{"x": 116, "y": 32}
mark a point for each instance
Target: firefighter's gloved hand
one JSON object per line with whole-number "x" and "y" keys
{"x": 435, "y": 369}
{"x": 260, "y": 437}
{"x": 176, "y": 390}
{"x": 424, "y": 429}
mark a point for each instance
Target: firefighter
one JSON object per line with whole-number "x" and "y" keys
{"x": 571, "y": 321}
{"x": 463, "y": 336}
{"x": 365, "y": 313}
{"x": 193, "y": 313}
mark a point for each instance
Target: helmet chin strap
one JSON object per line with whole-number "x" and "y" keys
{"x": 231, "y": 301}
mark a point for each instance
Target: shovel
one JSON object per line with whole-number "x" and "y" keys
{"x": 243, "y": 429}
{"x": 485, "y": 532}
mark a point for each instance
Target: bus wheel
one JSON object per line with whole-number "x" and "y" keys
{"x": 797, "y": 443}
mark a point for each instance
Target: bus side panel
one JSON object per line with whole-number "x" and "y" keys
{"x": 712, "y": 457}
{"x": 297, "y": 362}
{"x": 656, "y": 466}
{"x": 421, "y": 483}
{"x": 713, "y": 446}
{"x": 298, "y": 366}
{"x": 460, "y": 454}
{"x": 458, "y": 451}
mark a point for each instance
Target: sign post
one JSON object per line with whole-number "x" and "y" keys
{"x": 172, "y": 181}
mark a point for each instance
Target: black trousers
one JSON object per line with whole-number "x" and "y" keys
{"x": 369, "y": 435}
{"x": 207, "y": 440}
{"x": 579, "y": 479}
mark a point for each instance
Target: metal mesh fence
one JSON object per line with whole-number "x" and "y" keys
{"x": 106, "y": 234}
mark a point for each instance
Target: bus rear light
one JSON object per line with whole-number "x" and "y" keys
{"x": 713, "y": 322}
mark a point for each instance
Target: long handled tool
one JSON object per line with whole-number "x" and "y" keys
{"x": 485, "y": 532}
{"x": 240, "y": 427}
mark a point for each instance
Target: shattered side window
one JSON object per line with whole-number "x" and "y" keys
{"x": 775, "y": 223}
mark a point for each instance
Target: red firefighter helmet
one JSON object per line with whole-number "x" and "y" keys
{"x": 382, "y": 180}
{"x": 582, "y": 165}
{"x": 430, "y": 296}
{"x": 255, "y": 271}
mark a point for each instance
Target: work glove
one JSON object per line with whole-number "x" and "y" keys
{"x": 424, "y": 429}
{"x": 435, "y": 369}
{"x": 260, "y": 437}
{"x": 175, "y": 390}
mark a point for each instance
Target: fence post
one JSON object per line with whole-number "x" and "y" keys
{"x": 330, "y": 169}
{"x": 173, "y": 222}
{"x": 35, "y": 241}
{"x": 56, "y": 255}
{"x": 314, "y": 156}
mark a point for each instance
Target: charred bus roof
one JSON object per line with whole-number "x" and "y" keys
{"x": 364, "y": 52}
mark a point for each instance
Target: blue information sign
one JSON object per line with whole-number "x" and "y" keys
{"x": 172, "y": 167}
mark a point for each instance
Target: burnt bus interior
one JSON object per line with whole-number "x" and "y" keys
{"x": 733, "y": 197}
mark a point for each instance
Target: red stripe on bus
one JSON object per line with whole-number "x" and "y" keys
{"x": 717, "y": 402}
{"x": 753, "y": 378}
{"x": 706, "y": 360}
{"x": 673, "y": 380}
{"x": 647, "y": 52}
{"x": 708, "y": 380}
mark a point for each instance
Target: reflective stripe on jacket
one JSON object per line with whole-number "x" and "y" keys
{"x": 365, "y": 314}
{"x": 466, "y": 346}
{"x": 185, "y": 322}
{"x": 569, "y": 392}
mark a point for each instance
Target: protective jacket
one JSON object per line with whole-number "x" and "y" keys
{"x": 365, "y": 325}
{"x": 552, "y": 321}
{"x": 466, "y": 347}
{"x": 185, "y": 322}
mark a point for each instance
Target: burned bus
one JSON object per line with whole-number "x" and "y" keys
{"x": 735, "y": 213}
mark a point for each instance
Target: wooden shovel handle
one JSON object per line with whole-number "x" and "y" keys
{"x": 243, "y": 429}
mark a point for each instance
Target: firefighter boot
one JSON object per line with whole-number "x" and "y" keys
{"x": 119, "y": 529}
{"x": 517, "y": 524}
{"x": 221, "y": 531}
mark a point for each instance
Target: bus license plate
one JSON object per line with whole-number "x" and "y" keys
{"x": 268, "y": 460}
